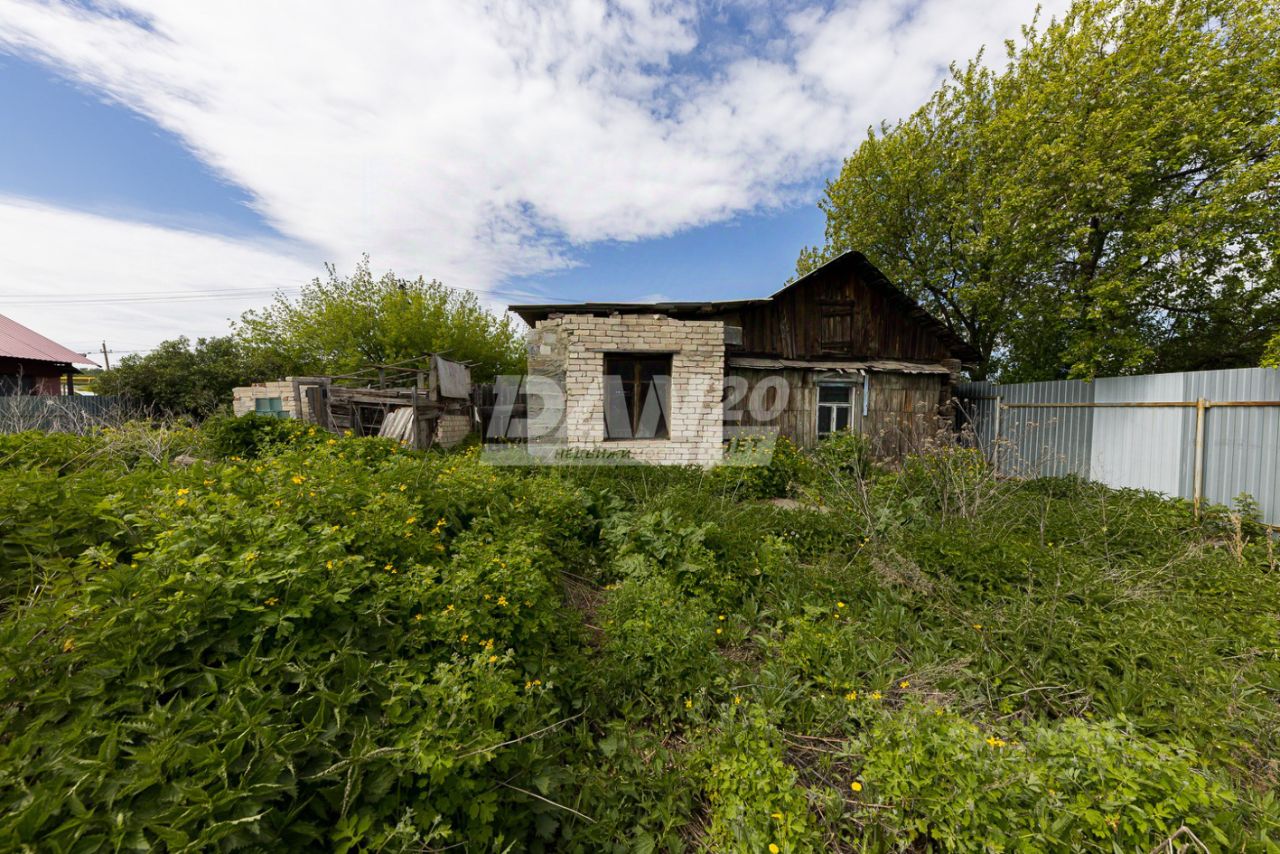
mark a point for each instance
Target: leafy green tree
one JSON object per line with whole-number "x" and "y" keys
{"x": 1271, "y": 355}
{"x": 1108, "y": 202}
{"x": 178, "y": 378}
{"x": 347, "y": 322}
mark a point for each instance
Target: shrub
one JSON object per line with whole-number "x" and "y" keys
{"x": 1070, "y": 785}
{"x": 659, "y": 644}
{"x": 250, "y": 436}
{"x": 754, "y": 798}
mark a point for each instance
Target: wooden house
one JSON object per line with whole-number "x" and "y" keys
{"x": 841, "y": 348}
{"x": 33, "y": 364}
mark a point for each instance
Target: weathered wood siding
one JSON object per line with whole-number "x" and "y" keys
{"x": 902, "y": 412}
{"x": 902, "y": 409}
{"x": 836, "y": 312}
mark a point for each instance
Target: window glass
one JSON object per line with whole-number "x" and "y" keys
{"x": 637, "y": 395}
{"x": 270, "y": 406}
{"x": 824, "y": 420}
{"x": 834, "y": 393}
{"x": 835, "y": 408}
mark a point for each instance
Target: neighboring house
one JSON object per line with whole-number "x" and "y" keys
{"x": 839, "y": 349}
{"x": 33, "y": 364}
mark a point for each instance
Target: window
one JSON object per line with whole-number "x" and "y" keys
{"x": 271, "y": 407}
{"x": 637, "y": 395}
{"x": 835, "y": 408}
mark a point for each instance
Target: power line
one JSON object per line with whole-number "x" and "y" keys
{"x": 200, "y": 295}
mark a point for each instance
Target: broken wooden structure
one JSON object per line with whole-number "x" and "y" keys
{"x": 420, "y": 402}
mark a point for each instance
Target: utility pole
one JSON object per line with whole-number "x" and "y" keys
{"x": 105, "y": 358}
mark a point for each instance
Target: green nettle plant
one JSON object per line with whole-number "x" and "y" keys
{"x": 304, "y": 640}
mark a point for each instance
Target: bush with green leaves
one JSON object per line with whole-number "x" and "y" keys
{"x": 753, "y": 794}
{"x": 308, "y": 640}
{"x": 659, "y": 643}
{"x": 926, "y": 776}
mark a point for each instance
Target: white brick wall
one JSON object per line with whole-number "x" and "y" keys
{"x": 570, "y": 349}
{"x": 452, "y": 429}
{"x": 243, "y": 398}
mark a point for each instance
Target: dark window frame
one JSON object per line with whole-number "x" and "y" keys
{"x": 631, "y": 367}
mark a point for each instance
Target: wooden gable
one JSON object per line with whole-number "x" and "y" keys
{"x": 845, "y": 309}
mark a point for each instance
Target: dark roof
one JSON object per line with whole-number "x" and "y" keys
{"x": 19, "y": 342}
{"x": 867, "y": 271}
{"x": 531, "y": 314}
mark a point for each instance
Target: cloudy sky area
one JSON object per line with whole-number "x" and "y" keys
{"x": 164, "y": 166}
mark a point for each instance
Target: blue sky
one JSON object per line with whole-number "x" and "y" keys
{"x": 165, "y": 166}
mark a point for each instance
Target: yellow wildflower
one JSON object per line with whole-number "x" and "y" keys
{"x": 773, "y": 848}
{"x": 996, "y": 742}
{"x": 875, "y": 695}
{"x": 183, "y": 491}
{"x": 688, "y": 703}
{"x": 856, "y": 786}
{"x": 411, "y": 520}
{"x": 272, "y": 602}
{"x": 502, "y": 600}
{"x": 737, "y": 700}
{"x": 851, "y": 696}
{"x": 904, "y": 684}
{"x": 298, "y": 478}
{"x": 839, "y": 604}
{"x": 492, "y": 659}
{"x": 68, "y": 645}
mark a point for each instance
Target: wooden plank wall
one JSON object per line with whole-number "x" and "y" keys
{"x": 836, "y": 314}
{"x": 901, "y": 412}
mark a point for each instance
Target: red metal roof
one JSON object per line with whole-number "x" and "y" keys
{"x": 19, "y": 342}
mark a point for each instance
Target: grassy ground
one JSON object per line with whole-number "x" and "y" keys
{"x": 303, "y": 642}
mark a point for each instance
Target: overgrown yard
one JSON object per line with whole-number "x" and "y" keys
{"x": 330, "y": 644}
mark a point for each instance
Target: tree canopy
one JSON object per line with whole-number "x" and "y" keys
{"x": 334, "y": 326}
{"x": 180, "y": 378}
{"x": 343, "y": 323}
{"x": 1107, "y": 202}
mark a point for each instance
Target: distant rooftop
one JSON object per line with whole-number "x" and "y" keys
{"x": 19, "y": 342}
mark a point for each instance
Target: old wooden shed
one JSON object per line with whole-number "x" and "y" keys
{"x": 841, "y": 348}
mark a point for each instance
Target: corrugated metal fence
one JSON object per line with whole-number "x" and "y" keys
{"x": 57, "y": 413}
{"x": 1207, "y": 435}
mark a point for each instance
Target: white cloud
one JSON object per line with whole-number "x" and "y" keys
{"x": 81, "y": 259}
{"x": 476, "y": 141}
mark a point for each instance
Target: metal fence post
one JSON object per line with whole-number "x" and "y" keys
{"x": 1197, "y": 487}
{"x": 995, "y": 438}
